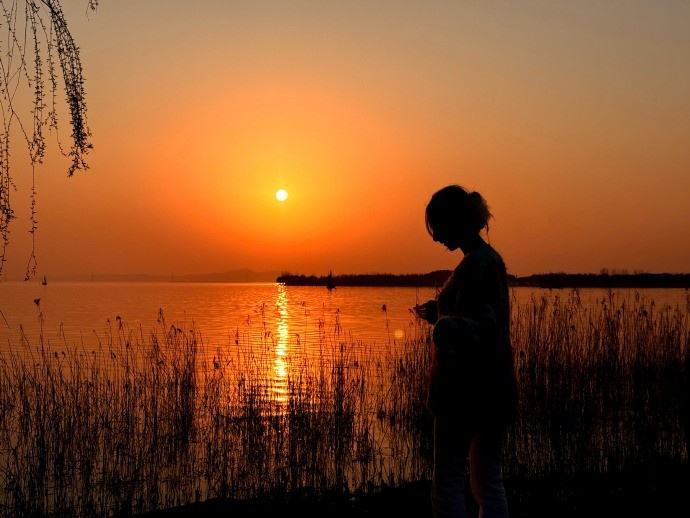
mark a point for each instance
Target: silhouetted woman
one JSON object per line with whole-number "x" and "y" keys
{"x": 472, "y": 387}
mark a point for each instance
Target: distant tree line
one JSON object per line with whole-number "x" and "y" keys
{"x": 541, "y": 280}
{"x": 605, "y": 280}
{"x": 435, "y": 278}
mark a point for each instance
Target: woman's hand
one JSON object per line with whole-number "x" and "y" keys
{"x": 427, "y": 311}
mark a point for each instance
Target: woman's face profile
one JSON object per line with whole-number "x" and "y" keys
{"x": 445, "y": 235}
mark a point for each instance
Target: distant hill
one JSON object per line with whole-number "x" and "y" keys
{"x": 243, "y": 275}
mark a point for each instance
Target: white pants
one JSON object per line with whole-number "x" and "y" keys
{"x": 452, "y": 447}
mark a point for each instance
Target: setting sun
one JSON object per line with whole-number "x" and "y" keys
{"x": 281, "y": 195}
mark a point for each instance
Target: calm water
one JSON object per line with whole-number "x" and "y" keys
{"x": 81, "y": 313}
{"x": 76, "y": 313}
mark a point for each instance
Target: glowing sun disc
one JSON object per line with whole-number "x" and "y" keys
{"x": 281, "y": 195}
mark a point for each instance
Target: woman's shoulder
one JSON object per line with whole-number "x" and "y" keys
{"x": 488, "y": 254}
{"x": 483, "y": 253}
{"x": 484, "y": 257}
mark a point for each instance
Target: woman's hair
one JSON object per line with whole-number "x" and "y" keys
{"x": 454, "y": 205}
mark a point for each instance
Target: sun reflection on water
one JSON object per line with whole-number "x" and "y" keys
{"x": 281, "y": 361}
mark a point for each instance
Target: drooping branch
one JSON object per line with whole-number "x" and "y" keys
{"x": 70, "y": 62}
{"x": 37, "y": 28}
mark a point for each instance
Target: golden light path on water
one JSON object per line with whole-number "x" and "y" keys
{"x": 280, "y": 363}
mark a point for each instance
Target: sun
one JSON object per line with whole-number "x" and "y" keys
{"x": 281, "y": 195}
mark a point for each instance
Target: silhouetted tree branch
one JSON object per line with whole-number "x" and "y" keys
{"x": 36, "y": 38}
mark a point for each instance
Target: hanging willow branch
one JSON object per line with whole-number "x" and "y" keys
{"x": 34, "y": 37}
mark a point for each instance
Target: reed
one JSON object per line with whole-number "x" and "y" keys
{"x": 151, "y": 419}
{"x": 604, "y": 384}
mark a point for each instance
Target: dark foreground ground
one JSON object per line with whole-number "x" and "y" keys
{"x": 645, "y": 492}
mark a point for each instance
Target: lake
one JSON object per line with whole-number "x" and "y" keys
{"x": 80, "y": 313}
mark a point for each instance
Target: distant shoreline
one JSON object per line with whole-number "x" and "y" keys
{"x": 413, "y": 280}
{"x": 546, "y": 280}
{"x": 591, "y": 280}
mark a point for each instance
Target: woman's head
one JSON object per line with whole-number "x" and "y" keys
{"x": 453, "y": 214}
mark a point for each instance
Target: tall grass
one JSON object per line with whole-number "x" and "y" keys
{"x": 149, "y": 419}
{"x": 604, "y": 384}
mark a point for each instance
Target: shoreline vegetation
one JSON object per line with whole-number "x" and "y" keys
{"x": 160, "y": 423}
{"x": 545, "y": 280}
{"x": 604, "y": 279}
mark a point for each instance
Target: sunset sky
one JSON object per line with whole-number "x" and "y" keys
{"x": 571, "y": 118}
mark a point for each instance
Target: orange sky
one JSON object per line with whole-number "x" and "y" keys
{"x": 572, "y": 118}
